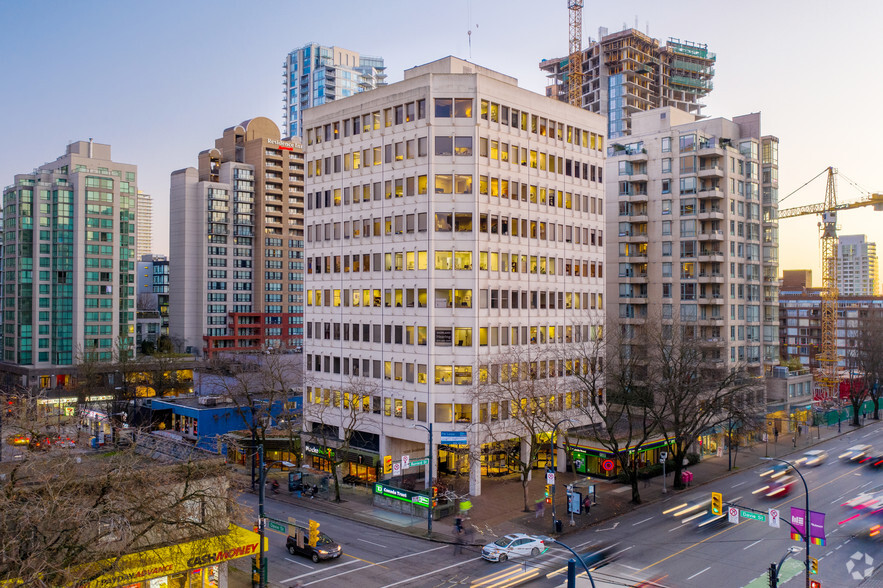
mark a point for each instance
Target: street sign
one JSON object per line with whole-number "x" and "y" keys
{"x": 416, "y": 463}
{"x": 663, "y": 455}
{"x": 406, "y": 459}
{"x": 754, "y": 516}
{"x": 550, "y": 478}
{"x": 774, "y": 518}
{"x": 453, "y": 438}
{"x": 396, "y": 468}
{"x": 733, "y": 515}
{"x": 274, "y": 526}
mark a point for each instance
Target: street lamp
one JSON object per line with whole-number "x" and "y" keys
{"x": 262, "y": 573}
{"x": 428, "y": 478}
{"x": 806, "y": 512}
{"x": 576, "y": 555}
{"x": 775, "y": 569}
{"x": 552, "y": 459}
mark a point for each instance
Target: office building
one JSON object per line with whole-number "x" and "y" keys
{"x": 857, "y": 273}
{"x": 236, "y": 272}
{"x": 315, "y": 74}
{"x": 692, "y": 231}
{"x": 144, "y": 225}
{"x": 628, "y": 72}
{"x": 454, "y": 221}
{"x": 69, "y": 261}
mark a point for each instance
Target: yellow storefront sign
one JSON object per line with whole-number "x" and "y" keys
{"x": 163, "y": 561}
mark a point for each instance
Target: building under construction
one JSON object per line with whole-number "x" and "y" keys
{"x": 629, "y": 71}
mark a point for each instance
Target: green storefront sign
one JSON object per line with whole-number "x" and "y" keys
{"x": 400, "y": 494}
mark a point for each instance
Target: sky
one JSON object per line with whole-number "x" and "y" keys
{"x": 159, "y": 81}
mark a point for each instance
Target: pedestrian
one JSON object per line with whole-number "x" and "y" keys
{"x": 776, "y": 434}
{"x": 799, "y": 430}
{"x": 458, "y": 525}
{"x": 587, "y": 504}
{"x": 541, "y": 507}
{"x": 458, "y": 543}
{"x": 794, "y": 441}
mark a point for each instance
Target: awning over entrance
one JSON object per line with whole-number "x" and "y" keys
{"x": 163, "y": 561}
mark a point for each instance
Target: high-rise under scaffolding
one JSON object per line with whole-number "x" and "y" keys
{"x": 629, "y": 71}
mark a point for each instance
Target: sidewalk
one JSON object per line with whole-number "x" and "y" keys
{"x": 500, "y": 508}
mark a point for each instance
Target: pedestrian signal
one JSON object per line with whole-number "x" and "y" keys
{"x": 314, "y": 533}
{"x": 717, "y": 503}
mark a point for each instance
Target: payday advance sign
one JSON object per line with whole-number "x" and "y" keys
{"x": 400, "y": 494}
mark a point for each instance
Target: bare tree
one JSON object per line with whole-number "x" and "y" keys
{"x": 867, "y": 355}
{"x": 260, "y": 387}
{"x": 525, "y": 386}
{"x": 693, "y": 388}
{"x": 616, "y": 398}
{"x": 338, "y": 418}
{"x": 69, "y": 516}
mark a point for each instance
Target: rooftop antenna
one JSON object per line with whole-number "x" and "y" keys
{"x": 469, "y": 31}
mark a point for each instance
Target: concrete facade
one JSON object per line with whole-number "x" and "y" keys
{"x": 237, "y": 237}
{"x": 857, "y": 266}
{"x": 454, "y": 221}
{"x": 692, "y": 232}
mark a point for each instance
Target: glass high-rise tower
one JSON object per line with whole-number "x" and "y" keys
{"x": 315, "y": 74}
{"x": 69, "y": 265}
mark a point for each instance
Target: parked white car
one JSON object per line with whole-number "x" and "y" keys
{"x": 514, "y": 545}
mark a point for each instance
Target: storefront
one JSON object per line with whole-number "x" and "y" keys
{"x": 197, "y": 564}
{"x": 361, "y": 465}
{"x": 600, "y": 462}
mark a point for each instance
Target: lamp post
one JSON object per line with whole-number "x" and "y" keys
{"x": 552, "y": 460}
{"x": 806, "y": 512}
{"x": 576, "y": 555}
{"x": 262, "y": 573}
{"x": 428, "y": 479}
{"x": 775, "y": 569}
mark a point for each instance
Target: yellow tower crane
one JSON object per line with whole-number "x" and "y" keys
{"x": 575, "y": 59}
{"x": 827, "y": 374}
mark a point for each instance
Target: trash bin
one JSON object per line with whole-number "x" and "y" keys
{"x": 558, "y": 526}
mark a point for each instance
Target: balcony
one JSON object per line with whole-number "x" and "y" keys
{"x": 710, "y": 213}
{"x": 635, "y": 237}
{"x": 714, "y": 300}
{"x": 711, "y": 171}
{"x": 640, "y": 278}
{"x": 716, "y": 235}
{"x": 713, "y": 192}
{"x": 635, "y": 198}
{"x": 710, "y": 255}
{"x": 710, "y": 277}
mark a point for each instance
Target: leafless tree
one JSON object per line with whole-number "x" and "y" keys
{"x": 611, "y": 370}
{"x": 526, "y": 395}
{"x": 693, "y": 388}
{"x": 867, "y": 355}
{"x": 69, "y": 515}
{"x": 338, "y": 418}
{"x": 259, "y": 386}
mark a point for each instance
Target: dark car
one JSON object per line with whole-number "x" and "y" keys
{"x": 325, "y": 548}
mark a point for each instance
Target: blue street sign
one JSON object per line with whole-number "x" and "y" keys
{"x": 453, "y": 437}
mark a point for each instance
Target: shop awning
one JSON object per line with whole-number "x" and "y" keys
{"x": 136, "y": 567}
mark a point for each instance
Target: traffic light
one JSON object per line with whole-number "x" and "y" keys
{"x": 717, "y": 503}
{"x": 813, "y": 565}
{"x": 815, "y": 584}
{"x": 314, "y": 533}
{"x": 434, "y": 496}
{"x": 771, "y": 575}
{"x": 548, "y": 494}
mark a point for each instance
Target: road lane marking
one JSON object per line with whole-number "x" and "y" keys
{"x": 370, "y": 564}
{"x": 752, "y": 545}
{"x": 503, "y": 575}
{"x": 372, "y": 543}
{"x": 644, "y": 521}
{"x": 697, "y": 573}
{"x": 433, "y": 572}
{"x": 736, "y": 485}
{"x": 292, "y": 579}
{"x": 630, "y": 567}
{"x": 676, "y": 528}
{"x": 730, "y": 528}
{"x": 298, "y": 563}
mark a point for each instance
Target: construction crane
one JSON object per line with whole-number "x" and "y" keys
{"x": 827, "y": 375}
{"x": 575, "y": 61}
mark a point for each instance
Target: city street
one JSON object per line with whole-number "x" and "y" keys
{"x": 644, "y": 544}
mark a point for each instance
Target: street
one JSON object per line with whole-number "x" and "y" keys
{"x": 643, "y": 545}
